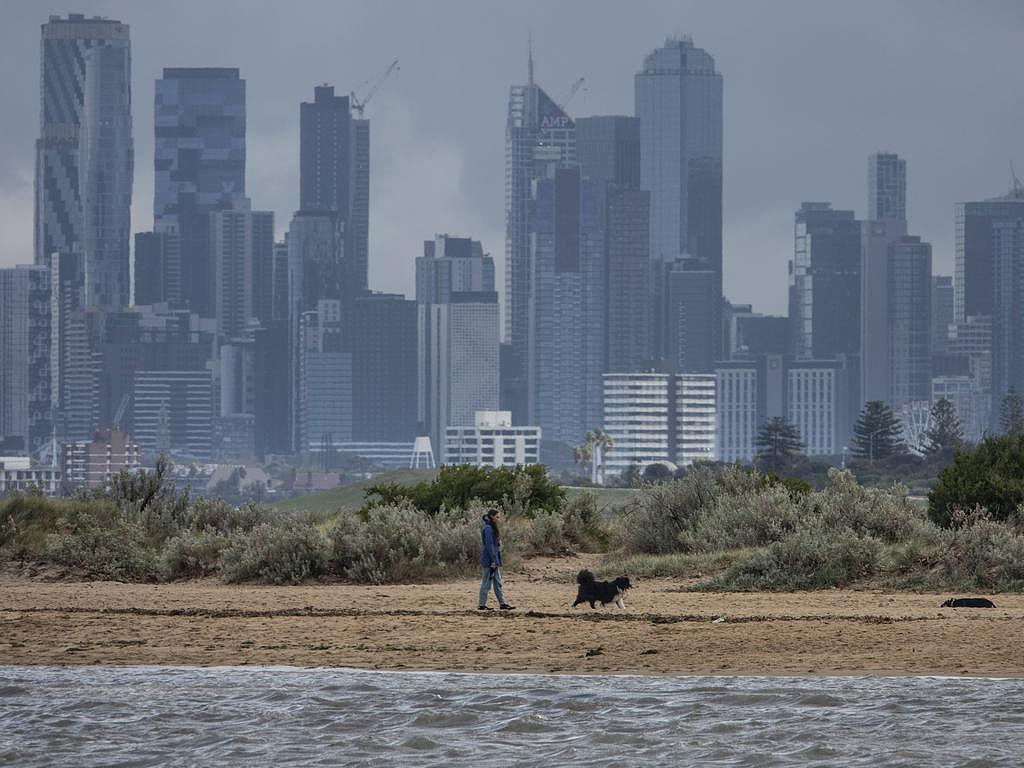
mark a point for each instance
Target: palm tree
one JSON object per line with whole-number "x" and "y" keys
{"x": 595, "y": 444}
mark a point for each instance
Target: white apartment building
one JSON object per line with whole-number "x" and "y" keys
{"x": 18, "y": 473}
{"x": 659, "y": 417}
{"x": 492, "y": 442}
{"x": 811, "y": 408}
{"x": 737, "y": 413}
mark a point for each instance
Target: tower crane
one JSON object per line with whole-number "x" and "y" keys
{"x": 572, "y": 92}
{"x": 359, "y": 104}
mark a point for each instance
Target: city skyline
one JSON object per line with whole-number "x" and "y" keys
{"x": 436, "y": 169}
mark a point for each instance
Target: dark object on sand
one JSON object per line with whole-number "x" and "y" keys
{"x": 605, "y": 592}
{"x": 968, "y": 602}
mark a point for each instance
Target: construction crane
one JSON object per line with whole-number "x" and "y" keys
{"x": 359, "y": 104}
{"x": 572, "y": 92}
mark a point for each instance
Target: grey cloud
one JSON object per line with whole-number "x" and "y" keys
{"x": 810, "y": 89}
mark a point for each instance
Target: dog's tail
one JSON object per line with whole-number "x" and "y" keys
{"x": 584, "y": 577}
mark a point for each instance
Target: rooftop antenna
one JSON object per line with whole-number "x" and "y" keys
{"x": 1016, "y": 189}
{"x": 529, "y": 59}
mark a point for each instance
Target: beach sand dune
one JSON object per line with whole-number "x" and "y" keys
{"x": 664, "y": 630}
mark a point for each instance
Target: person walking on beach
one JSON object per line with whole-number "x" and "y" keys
{"x": 490, "y": 560}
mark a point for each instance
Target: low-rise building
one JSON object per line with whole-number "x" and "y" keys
{"x": 18, "y": 473}
{"x": 92, "y": 464}
{"x": 493, "y": 441}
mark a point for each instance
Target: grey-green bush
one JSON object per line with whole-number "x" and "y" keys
{"x": 116, "y": 549}
{"x": 982, "y": 553}
{"x": 810, "y": 558}
{"x": 883, "y": 514}
{"x": 274, "y": 555}
{"x": 191, "y": 555}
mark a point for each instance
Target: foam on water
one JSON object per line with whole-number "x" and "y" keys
{"x": 150, "y": 716}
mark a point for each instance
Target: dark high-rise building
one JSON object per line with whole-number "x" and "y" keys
{"x": 942, "y": 312}
{"x": 679, "y": 104}
{"x": 761, "y": 335}
{"x": 25, "y": 355}
{"x": 974, "y": 292}
{"x": 84, "y": 151}
{"x": 824, "y": 283}
{"x": 334, "y": 174}
{"x": 199, "y": 165}
{"x": 271, "y": 391}
{"x": 158, "y": 267}
{"x": 382, "y": 338}
{"x": 909, "y": 315}
{"x": 537, "y": 133}
{"x": 242, "y": 250}
{"x": 608, "y": 149}
{"x": 887, "y": 187}
{"x": 627, "y": 278}
{"x": 1007, "y": 316}
{"x": 567, "y": 306}
{"x": 690, "y": 296}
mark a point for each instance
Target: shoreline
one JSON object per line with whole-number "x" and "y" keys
{"x": 434, "y": 627}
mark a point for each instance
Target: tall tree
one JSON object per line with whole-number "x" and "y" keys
{"x": 1011, "y": 413}
{"x": 777, "y": 438}
{"x": 877, "y": 433}
{"x": 945, "y": 434}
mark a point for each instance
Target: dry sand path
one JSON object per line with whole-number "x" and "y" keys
{"x": 662, "y": 631}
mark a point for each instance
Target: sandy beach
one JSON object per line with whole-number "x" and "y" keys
{"x": 663, "y": 630}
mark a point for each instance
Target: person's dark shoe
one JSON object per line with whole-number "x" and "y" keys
{"x": 507, "y": 607}
{"x": 484, "y": 608}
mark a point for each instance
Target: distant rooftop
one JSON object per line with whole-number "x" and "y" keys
{"x": 215, "y": 73}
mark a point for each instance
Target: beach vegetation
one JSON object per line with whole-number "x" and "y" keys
{"x": 989, "y": 475}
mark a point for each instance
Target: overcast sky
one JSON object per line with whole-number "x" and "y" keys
{"x": 811, "y": 88}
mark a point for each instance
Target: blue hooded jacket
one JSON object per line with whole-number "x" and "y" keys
{"x": 491, "y": 550}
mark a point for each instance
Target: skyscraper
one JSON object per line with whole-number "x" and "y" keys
{"x": 909, "y": 320}
{"x": 608, "y": 150}
{"x": 84, "y": 154}
{"x": 25, "y": 355}
{"x": 880, "y": 296}
{"x": 199, "y": 165}
{"x": 381, "y": 332}
{"x": 457, "y": 318}
{"x": 316, "y": 247}
{"x": 887, "y": 187}
{"x": 824, "y": 283}
{"x": 79, "y": 92}
{"x": 537, "y": 132}
{"x": 334, "y": 165}
{"x": 1007, "y": 317}
{"x": 942, "y": 312}
{"x": 566, "y": 302}
{"x": 242, "y": 250}
{"x": 974, "y": 293}
{"x": 679, "y": 103}
{"x": 689, "y": 303}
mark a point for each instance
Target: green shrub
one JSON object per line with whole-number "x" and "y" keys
{"x": 118, "y": 549}
{"x": 191, "y": 555}
{"x": 990, "y": 475}
{"x": 524, "y": 490}
{"x": 274, "y": 555}
{"x": 811, "y": 558}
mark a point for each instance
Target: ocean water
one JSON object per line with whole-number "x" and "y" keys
{"x": 183, "y": 716}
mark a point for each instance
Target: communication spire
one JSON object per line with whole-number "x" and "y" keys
{"x": 529, "y": 59}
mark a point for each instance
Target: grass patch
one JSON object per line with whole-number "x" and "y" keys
{"x": 350, "y": 496}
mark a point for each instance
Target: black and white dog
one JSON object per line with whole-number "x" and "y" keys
{"x": 605, "y": 592}
{"x": 968, "y": 602}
